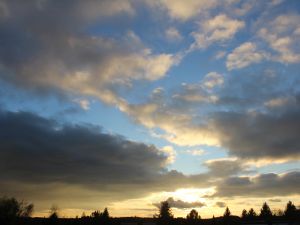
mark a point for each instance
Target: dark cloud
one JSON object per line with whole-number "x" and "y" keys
{"x": 41, "y": 159}
{"x": 226, "y": 167}
{"x": 275, "y": 200}
{"x": 221, "y": 204}
{"x": 181, "y": 204}
{"x": 260, "y": 186}
{"x": 66, "y": 153}
{"x": 48, "y": 47}
{"x": 260, "y": 135}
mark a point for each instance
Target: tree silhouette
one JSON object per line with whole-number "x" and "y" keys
{"x": 227, "y": 212}
{"x": 11, "y": 208}
{"x": 165, "y": 214}
{"x": 244, "y": 214}
{"x": 290, "y": 210}
{"x": 193, "y": 215}
{"x": 265, "y": 211}
{"x": 53, "y": 212}
{"x": 165, "y": 210}
{"x": 96, "y": 214}
{"x": 251, "y": 214}
{"x": 226, "y": 217}
{"x": 105, "y": 214}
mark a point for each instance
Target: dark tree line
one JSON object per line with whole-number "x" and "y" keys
{"x": 290, "y": 212}
{"x": 13, "y": 212}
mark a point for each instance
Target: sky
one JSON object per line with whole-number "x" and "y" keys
{"x": 127, "y": 103}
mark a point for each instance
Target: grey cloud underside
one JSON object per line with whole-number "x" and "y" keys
{"x": 261, "y": 135}
{"x": 72, "y": 154}
{"x": 263, "y": 185}
{"x": 179, "y": 204}
{"x": 221, "y": 204}
{"x": 35, "y": 150}
{"x": 226, "y": 167}
{"x": 43, "y": 160}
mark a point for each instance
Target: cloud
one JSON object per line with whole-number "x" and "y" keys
{"x": 170, "y": 152}
{"x": 75, "y": 61}
{"x": 179, "y": 204}
{"x": 212, "y": 80}
{"x": 48, "y": 159}
{"x": 281, "y": 102}
{"x": 195, "y": 152}
{"x": 221, "y": 204}
{"x": 262, "y": 185}
{"x": 173, "y": 34}
{"x": 51, "y": 159}
{"x": 226, "y": 167}
{"x": 220, "y": 54}
{"x": 67, "y": 153}
{"x": 282, "y": 35}
{"x": 177, "y": 127}
{"x": 260, "y": 135}
{"x": 244, "y": 9}
{"x": 83, "y": 103}
{"x": 244, "y": 55}
{"x": 183, "y": 11}
{"x": 275, "y": 200}
{"x": 219, "y": 29}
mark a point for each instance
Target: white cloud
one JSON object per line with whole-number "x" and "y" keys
{"x": 195, "y": 152}
{"x": 244, "y": 55}
{"x": 245, "y": 8}
{"x": 184, "y": 10}
{"x": 212, "y": 80}
{"x": 220, "y": 54}
{"x": 216, "y": 30}
{"x": 177, "y": 128}
{"x": 83, "y": 103}
{"x": 173, "y": 34}
{"x": 282, "y": 35}
{"x": 170, "y": 152}
{"x": 279, "y": 102}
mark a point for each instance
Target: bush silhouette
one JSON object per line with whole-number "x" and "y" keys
{"x": 11, "y": 208}
{"x": 193, "y": 215}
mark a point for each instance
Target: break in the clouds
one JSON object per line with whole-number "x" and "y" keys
{"x": 167, "y": 81}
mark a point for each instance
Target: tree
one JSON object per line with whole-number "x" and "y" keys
{"x": 251, "y": 214}
{"x": 105, "y": 214}
{"x": 96, "y": 214}
{"x": 100, "y": 217}
{"x": 53, "y": 212}
{"x": 244, "y": 214}
{"x": 226, "y": 217}
{"x": 193, "y": 215}
{"x": 265, "y": 211}
{"x": 227, "y": 212}
{"x": 278, "y": 212}
{"x": 11, "y": 208}
{"x": 290, "y": 210}
{"x": 165, "y": 213}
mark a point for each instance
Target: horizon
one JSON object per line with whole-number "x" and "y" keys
{"x": 125, "y": 104}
